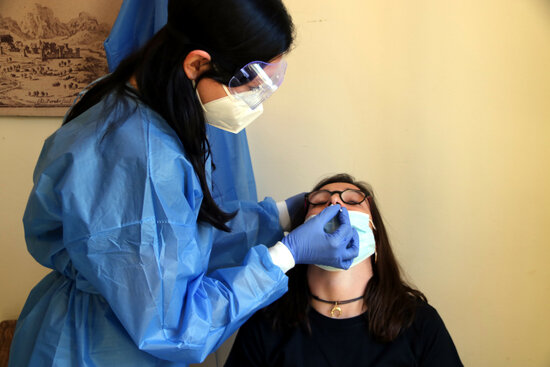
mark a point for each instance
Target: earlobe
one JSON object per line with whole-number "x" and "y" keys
{"x": 196, "y": 62}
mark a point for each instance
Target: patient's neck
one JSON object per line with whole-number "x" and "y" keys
{"x": 339, "y": 286}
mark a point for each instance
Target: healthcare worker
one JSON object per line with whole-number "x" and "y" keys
{"x": 122, "y": 207}
{"x": 235, "y": 189}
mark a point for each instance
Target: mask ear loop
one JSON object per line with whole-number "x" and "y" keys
{"x": 369, "y": 200}
{"x": 375, "y": 246}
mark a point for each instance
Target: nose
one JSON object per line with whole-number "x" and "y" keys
{"x": 335, "y": 199}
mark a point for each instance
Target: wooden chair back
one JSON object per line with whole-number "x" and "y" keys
{"x": 7, "y": 328}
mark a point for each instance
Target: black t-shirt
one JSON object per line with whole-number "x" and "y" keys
{"x": 344, "y": 342}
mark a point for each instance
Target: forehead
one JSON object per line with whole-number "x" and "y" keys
{"x": 339, "y": 186}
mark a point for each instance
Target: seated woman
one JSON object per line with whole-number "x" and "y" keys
{"x": 364, "y": 316}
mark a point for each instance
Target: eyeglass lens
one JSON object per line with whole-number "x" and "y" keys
{"x": 349, "y": 196}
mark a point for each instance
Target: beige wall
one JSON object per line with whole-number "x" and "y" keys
{"x": 20, "y": 144}
{"x": 443, "y": 106}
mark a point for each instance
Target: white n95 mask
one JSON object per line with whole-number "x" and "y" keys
{"x": 229, "y": 113}
{"x": 367, "y": 244}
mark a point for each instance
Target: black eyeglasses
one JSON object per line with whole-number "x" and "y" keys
{"x": 348, "y": 196}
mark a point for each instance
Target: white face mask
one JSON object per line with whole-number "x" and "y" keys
{"x": 367, "y": 244}
{"x": 229, "y": 113}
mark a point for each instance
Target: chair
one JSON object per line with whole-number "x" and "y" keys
{"x": 7, "y": 328}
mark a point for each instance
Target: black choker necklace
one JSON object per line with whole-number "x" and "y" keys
{"x": 336, "y": 310}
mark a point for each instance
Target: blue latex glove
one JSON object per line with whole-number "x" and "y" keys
{"x": 296, "y": 206}
{"x": 310, "y": 244}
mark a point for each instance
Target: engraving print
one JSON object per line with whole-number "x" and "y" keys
{"x": 49, "y": 51}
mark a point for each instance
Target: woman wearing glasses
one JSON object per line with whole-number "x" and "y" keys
{"x": 364, "y": 316}
{"x": 122, "y": 211}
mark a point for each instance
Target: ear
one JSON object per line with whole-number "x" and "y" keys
{"x": 196, "y": 62}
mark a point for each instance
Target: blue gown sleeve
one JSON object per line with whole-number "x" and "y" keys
{"x": 128, "y": 202}
{"x": 254, "y": 223}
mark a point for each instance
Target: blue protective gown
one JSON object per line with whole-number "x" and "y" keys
{"x": 114, "y": 214}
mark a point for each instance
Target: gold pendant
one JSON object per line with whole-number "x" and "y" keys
{"x": 336, "y": 310}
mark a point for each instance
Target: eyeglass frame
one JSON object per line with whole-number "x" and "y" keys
{"x": 335, "y": 192}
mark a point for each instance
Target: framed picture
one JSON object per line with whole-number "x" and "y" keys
{"x": 49, "y": 51}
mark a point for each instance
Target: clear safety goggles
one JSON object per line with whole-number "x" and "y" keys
{"x": 256, "y": 81}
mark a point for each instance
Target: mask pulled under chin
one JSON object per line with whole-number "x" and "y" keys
{"x": 367, "y": 244}
{"x": 229, "y": 113}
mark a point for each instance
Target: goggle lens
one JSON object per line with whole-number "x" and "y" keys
{"x": 257, "y": 81}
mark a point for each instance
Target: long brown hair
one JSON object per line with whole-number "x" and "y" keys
{"x": 390, "y": 301}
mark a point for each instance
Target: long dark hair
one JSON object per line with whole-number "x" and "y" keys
{"x": 390, "y": 301}
{"x": 233, "y": 32}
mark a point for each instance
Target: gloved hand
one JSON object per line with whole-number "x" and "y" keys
{"x": 296, "y": 206}
{"x": 310, "y": 244}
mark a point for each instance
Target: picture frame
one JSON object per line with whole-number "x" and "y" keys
{"x": 49, "y": 51}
